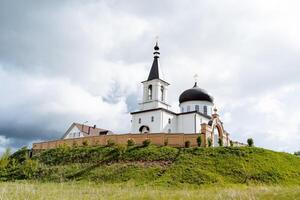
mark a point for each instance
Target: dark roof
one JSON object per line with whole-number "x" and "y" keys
{"x": 154, "y": 72}
{"x": 195, "y": 94}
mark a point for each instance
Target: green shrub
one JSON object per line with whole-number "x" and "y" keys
{"x": 130, "y": 143}
{"x": 297, "y": 153}
{"x": 146, "y": 142}
{"x": 209, "y": 142}
{"x": 231, "y": 143}
{"x": 250, "y": 142}
{"x": 220, "y": 142}
{"x": 85, "y": 143}
{"x": 30, "y": 168}
{"x": 110, "y": 143}
{"x": 199, "y": 140}
{"x": 166, "y": 142}
{"x": 187, "y": 144}
{"x": 4, "y": 160}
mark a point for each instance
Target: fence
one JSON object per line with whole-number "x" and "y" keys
{"x": 176, "y": 140}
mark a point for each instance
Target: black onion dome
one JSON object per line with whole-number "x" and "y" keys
{"x": 195, "y": 94}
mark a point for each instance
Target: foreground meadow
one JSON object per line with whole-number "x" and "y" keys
{"x": 90, "y": 191}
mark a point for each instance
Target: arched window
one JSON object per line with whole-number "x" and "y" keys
{"x": 169, "y": 120}
{"x": 162, "y": 90}
{"x": 140, "y": 120}
{"x": 149, "y": 92}
{"x": 205, "y": 110}
{"x": 152, "y": 119}
{"x": 188, "y": 108}
{"x": 197, "y": 108}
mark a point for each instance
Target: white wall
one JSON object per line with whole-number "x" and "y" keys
{"x": 201, "y": 104}
{"x": 74, "y": 133}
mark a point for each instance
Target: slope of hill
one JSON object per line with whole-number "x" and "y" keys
{"x": 156, "y": 165}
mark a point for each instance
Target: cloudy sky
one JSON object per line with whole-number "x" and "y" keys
{"x": 76, "y": 61}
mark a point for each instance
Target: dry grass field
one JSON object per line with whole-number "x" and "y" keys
{"x": 90, "y": 191}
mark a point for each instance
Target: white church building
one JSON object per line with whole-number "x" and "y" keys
{"x": 154, "y": 114}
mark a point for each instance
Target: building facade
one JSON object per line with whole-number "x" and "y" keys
{"x": 196, "y": 110}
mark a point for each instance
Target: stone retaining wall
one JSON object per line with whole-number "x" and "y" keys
{"x": 176, "y": 140}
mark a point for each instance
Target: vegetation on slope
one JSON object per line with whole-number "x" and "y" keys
{"x": 155, "y": 165}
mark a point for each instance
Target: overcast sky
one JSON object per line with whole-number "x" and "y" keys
{"x": 77, "y": 61}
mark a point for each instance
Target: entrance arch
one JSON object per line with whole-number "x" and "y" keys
{"x": 144, "y": 129}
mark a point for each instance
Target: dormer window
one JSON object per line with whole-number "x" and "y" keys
{"x": 150, "y": 92}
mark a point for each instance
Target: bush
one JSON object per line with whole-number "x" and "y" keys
{"x": 146, "y": 142}
{"x": 250, "y": 142}
{"x": 110, "y": 143}
{"x": 220, "y": 142}
{"x": 4, "y": 159}
{"x": 297, "y": 153}
{"x": 85, "y": 143}
{"x": 187, "y": 144}
{"x": 166, "y": 142}
{"x": 209, "y": 142}
{"x": 231, "y": 143}
{"x": 199, "y": 140}
{"x": 130, "y": 143}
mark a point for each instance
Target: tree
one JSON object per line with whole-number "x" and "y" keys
{"x": 250, "y": 142}
{"x": 209, "y": 142}
{"x": 199, "y": 140}
{"x": 166, "y": 142}
{"x": 187, "y": 144}
{"x": 130, "y": 142}
{"x": 297, "y": 153}
{"x": 231, "y": 143}
{"x": 220, "y": 142}
{"x": 146, "y": 142}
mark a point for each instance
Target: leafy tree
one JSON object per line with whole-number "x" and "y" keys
{"x": 146, "y": 142}
{"x": 4, "y": 160}
{"x": 297, "y": 153}
{"x": 110, "y": 143}
{"x": 220, "y": 142}
{"x": 199, "y": 141}
{"x": 250, "y": 142}
{"x": 85, "y": 143}
{"x": 209, "y": 142}
{"x": 187, "y": 144}
{"x": 130, "y": 143}
{"x": 166, "y": 142}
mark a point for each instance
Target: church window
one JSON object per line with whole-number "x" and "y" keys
{"x": 197, "y": 108}
{"x": 149, "y": 92}
{"x": 188, "y": 108}
{"x": 205, "y": 110}
{"x": 169, "y": 120}
{"x": 169, "y": 130}
{"x": 140, "y": 120}
{"x": 152, "y": 119}
{"x": 162, "y": 89}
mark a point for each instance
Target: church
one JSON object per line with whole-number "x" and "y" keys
{"x": 197, "y": 112}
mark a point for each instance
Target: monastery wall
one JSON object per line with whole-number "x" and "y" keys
{"x": 175, "y": 140}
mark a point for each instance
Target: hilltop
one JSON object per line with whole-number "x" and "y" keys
{"x": 155, "y": 165}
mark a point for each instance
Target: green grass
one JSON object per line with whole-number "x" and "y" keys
{"x": 156, "y": 166}
{"x": 92, "y": 191}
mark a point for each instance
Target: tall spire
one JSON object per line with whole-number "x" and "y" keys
{"x": 155, "y": 71}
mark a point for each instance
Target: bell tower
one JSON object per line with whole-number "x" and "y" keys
{"x": 154, "y": 88}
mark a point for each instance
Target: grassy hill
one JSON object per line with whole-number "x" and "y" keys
{"x": 154, "y": 165}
